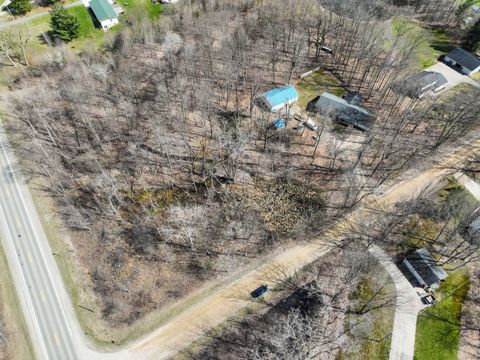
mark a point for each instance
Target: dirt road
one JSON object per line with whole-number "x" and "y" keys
{"x": 182, "y": 329}
{"x": 192, "y": 323}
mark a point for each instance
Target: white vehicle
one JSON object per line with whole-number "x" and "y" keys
{"x": 312, "y": 125}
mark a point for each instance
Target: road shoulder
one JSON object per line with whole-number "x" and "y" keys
{"x": 13, "y": 325}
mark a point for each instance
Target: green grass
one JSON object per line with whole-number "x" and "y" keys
{"x": 438, "y": 328}
{"x": 315, "y": 84}
{"x": 472, "y": 2}
{"x": 455, "y": 196}
{"x": 87, "y": 28}
{"x": 136, "y": 7}
{"x": 89, "y": 35}
{"x": 376, "y": 343}
{"x": 433, "y": 42}
{"x": 420, "y": 232}
{"x": 476, "y": 76}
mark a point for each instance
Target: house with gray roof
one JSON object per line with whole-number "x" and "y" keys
{"x": 419, "y": 85}
{"x": 463, "y": 61}
{"x": 424, "y": 268}
{"x": 346, "y": 111}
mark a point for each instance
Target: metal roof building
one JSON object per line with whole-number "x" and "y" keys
{"x": 424, "y": 268}
{"x": 104, "y": 12}
{"x": 278, "y": 98}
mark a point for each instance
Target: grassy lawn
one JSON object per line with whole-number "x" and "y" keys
{"x": 438, "y": 328}
{"x": 434, "y": 42}
{"x": 87, "y": 28}
{"x": 315, "y": 84}
{"x": 476, "y": 76}
{"x": 456, "y": 196}
{"x": 138, "y": 6}
{"x": 13, "y": 324}
{"x": 376, "y": 342}
{"x": 89, "y": 35}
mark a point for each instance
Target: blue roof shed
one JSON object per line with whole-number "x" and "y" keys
{"x": 275, "y": 99}
{"x": 279, "y": 124}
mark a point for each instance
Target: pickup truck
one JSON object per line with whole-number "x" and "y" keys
{"x": 259, "y": 291}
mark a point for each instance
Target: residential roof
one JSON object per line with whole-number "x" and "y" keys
{"x": 464, "y": 58}
{"x": 353, "y": 98}
{"x": 103, "y": 10}
{"x": 280, "y": 96}
{"x": 343, "y": 111}
{"x": 426, "y": 266}
{"x": 417, "y": 84}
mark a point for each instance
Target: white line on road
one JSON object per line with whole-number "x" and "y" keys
{"x": 24, "y": 283}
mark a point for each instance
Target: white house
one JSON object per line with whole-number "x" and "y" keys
{"x": 463, "y": 61}
{"x": 103, "y": 11}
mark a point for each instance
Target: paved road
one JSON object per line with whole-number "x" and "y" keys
{"x": 50, "y": 318}
{"x": 28, "y": 258}
{"x": 408, "y": 305}
{"x": 25, "y": 19}
{"x": 454, "y": 77}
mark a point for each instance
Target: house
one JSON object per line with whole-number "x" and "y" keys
{"x": 463, "y": 61}
{"x": 277, "y": 99}
{"x": 345, "y": 110}
{"x": 421, "y": 84}
{"x": 103, "y": 12}
{"x": 424, "y": 268}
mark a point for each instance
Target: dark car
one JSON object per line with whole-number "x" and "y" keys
{"x": 428, "y": 300}
{"x": 259, "y": 291}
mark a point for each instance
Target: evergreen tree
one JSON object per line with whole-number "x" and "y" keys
{"x": 64, "y": 25}
{"x": 48, "y": 2}
{"x": 20, "y": 7}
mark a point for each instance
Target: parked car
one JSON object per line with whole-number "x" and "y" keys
{"x": 428, "y": 299}
{"x": 259, "y": 291}
{"x": 326, "y": 49}
{"x": 312, "y": 125}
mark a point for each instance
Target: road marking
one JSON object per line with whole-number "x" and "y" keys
{"x": 57, "y": 340}
{"x": 30, "y": 257}
{"x": 42, "y": 296}
{"x": 17, "y": 222}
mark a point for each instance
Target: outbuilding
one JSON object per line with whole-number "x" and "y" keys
{"x": 104, "y": 13}
{"x": 278, "y": 99}
{"x": 424, "y": 268}
{"x": 463, "y": 61}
